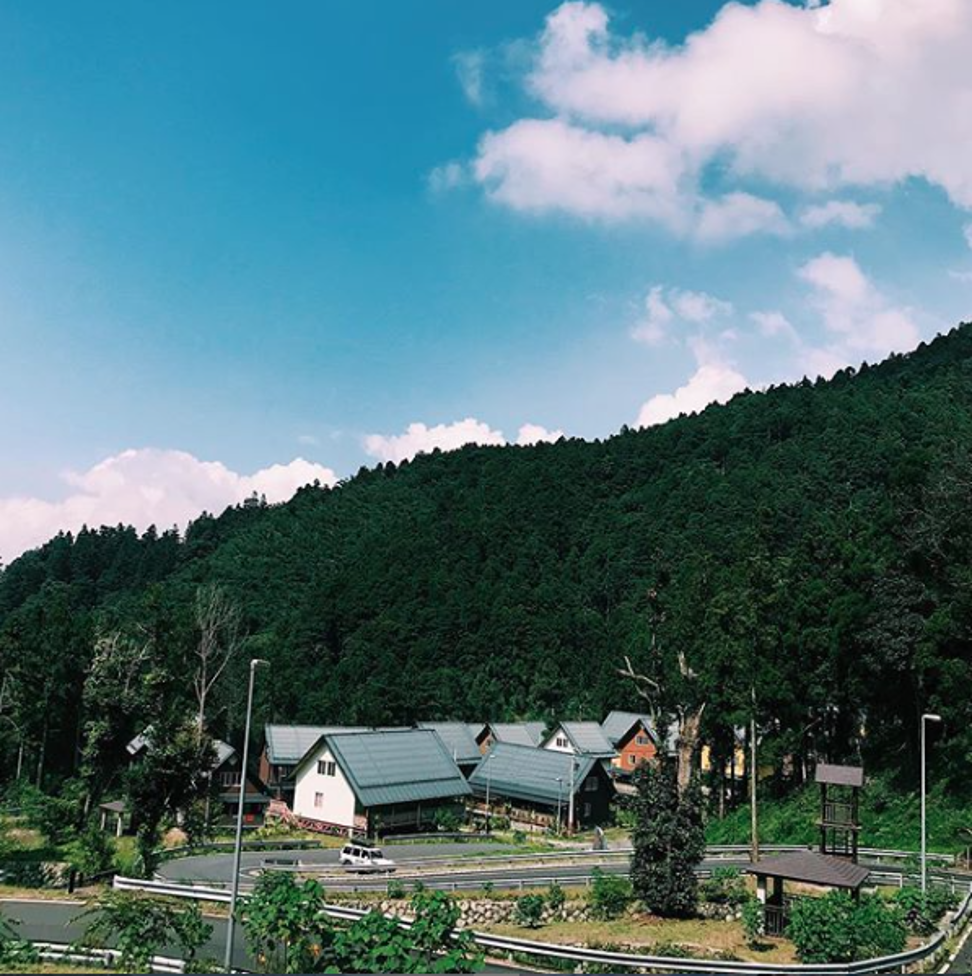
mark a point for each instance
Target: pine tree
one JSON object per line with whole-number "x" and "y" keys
{"x": 669, "y": 841}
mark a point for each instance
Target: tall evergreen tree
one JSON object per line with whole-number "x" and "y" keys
{"x": 669, "y": 841}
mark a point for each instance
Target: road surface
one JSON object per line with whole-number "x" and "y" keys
{"x": 57, "y": 921}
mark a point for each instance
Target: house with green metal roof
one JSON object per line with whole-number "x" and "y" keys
{"x": 284, "y": 747}
{"x": 580, "y": 738}
{"x": 376, "y": 781}
{"x": 537, "y": 789}
{"x": 459, "y": 740}
{"x": 515, "y": 733}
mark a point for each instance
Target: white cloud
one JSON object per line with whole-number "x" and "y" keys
{"x": 739, "y": 215}
{"x": 860, "y": 318}
{"x": 967, "y": 232}
{"x": 447, "y": 176}
{"x": 546, "y": 165}
{"x": 840, "y": 213}
{"x": 142, "y": 488}
{"x": 712, "y": 382}
{"x": 420, "y": 439}
{"x": 665, "y": 307}
{"x": 774, "y": 325}
{"x": 815, "y": 98}
{"x": 535, "y": 434}
{"x": 470, "y": 69}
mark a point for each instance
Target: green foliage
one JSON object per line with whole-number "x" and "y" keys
{"x": 284, "y": 925}
{"x": 610, "y": 894}
{"x": 923, "y": 910}
{"x": 669, "y": 842}
{"x": 93, "y": 852}
{"x": 752, "y": 920}
{"x": 835, "y": 928}
{"x": 140, "y": 926}
{"x": 57, "y": 817}
{"x": 13, "y": 950}
{"x": 814, "y": 540}
{"x": 287, "y": 931}
{"x": 725, "y": 887}
{"x": 529, "y": 911}
{"x": 396, "y": 889}
{"x": 447, "y": 819}
{"x": 168, "y": 778}
{"x": 556, "y": 897}
{"x": 890, "y": 818}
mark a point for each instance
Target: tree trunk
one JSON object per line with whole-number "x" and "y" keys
{"x": 688, "y": 740}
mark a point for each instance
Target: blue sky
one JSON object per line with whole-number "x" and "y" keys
{"x": 243, "y": 235}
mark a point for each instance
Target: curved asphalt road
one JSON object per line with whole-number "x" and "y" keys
{"x": 57, "y": 921}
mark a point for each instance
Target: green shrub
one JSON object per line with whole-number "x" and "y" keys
{"x": 752, "y": 920}
{"x": 396, "y": 889}
{"x": 529, "y": 911}
{"x": 519, "y": 837}
{"x": 924, "y": 910}
{"x": 725, "y": 887}
{"x": 447, "y": 819}
{"x": 556, "y": 897}
{"x": 610, "y": 894}
{"x": 835, "y": 928}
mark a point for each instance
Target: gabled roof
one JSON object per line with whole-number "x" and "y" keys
{"x": 618, "y": 724}
{"x": 393, "y": 766}
{"x": 518, "y": 733}
{"x": 587, "y": 738}
{"x": 840, "y": 775}
{"x": 527, "y": 773}
{"x": 287, "y": 744}
{"x": 458, "y": 739}
{"x": 143, "y": 742}
{"x": 224, "y": 751}
{"x": 810, "y": 867}
{"x": 476, "y": 729}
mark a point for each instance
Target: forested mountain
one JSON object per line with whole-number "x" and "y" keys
{"x": 811, "y": 543}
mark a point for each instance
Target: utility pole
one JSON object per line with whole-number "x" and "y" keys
{"x": 570, "y": 798}
{"x": 753, "y": 780}
{"x": 238, "y": 846}
{"x": 927, "y": 717}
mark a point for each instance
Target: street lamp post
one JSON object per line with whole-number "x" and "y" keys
{"x": 238, "y": 847}
{"x": 570, "y": 798}
{"x": 560, "y": 791}
{"x": 489, "y": 759}
{"x": 927, "y": 717}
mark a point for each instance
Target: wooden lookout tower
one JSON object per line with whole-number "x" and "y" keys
{"x": 840, "y": 806}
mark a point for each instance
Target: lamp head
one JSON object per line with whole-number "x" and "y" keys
{"x": 931, "y": 717}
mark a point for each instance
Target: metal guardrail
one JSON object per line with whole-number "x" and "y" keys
{"x": 61, "y": 952}
{"x": 547, "y": 950}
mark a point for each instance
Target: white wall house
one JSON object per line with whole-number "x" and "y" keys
{"x": 580, "y": 739}
{"x": 376, "y": 781}
{"x": 323, "y": 792}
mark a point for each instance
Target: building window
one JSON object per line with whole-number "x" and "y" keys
{"x": 587, "y": 811}
{"x": 326, "y": 767}
{"x": 641, "y": 740}
{"x": 590, "y": 784}
{"x": 229, "y": 778}
{"x": 632, "y": 760}
{"x": 318, "y": 800}
{"x": 561, "y": 742}
{"x": 331, "y": 768}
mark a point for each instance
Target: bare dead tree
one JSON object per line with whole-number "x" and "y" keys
{"x": 219, "y": 622}
{"x": 688, "y": 711}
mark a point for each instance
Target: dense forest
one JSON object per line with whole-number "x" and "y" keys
{"x": 806, "y": 549}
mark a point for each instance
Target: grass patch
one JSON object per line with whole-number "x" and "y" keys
{"x": 889, "y": 819}
{"x": 646, "y": 933}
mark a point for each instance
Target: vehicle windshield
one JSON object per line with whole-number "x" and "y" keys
{"x": 376, "y": 854}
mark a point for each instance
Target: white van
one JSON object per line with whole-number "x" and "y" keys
{"x": 357, "y": 857}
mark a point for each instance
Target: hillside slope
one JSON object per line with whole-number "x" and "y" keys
{"x": 811, "y": 542}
